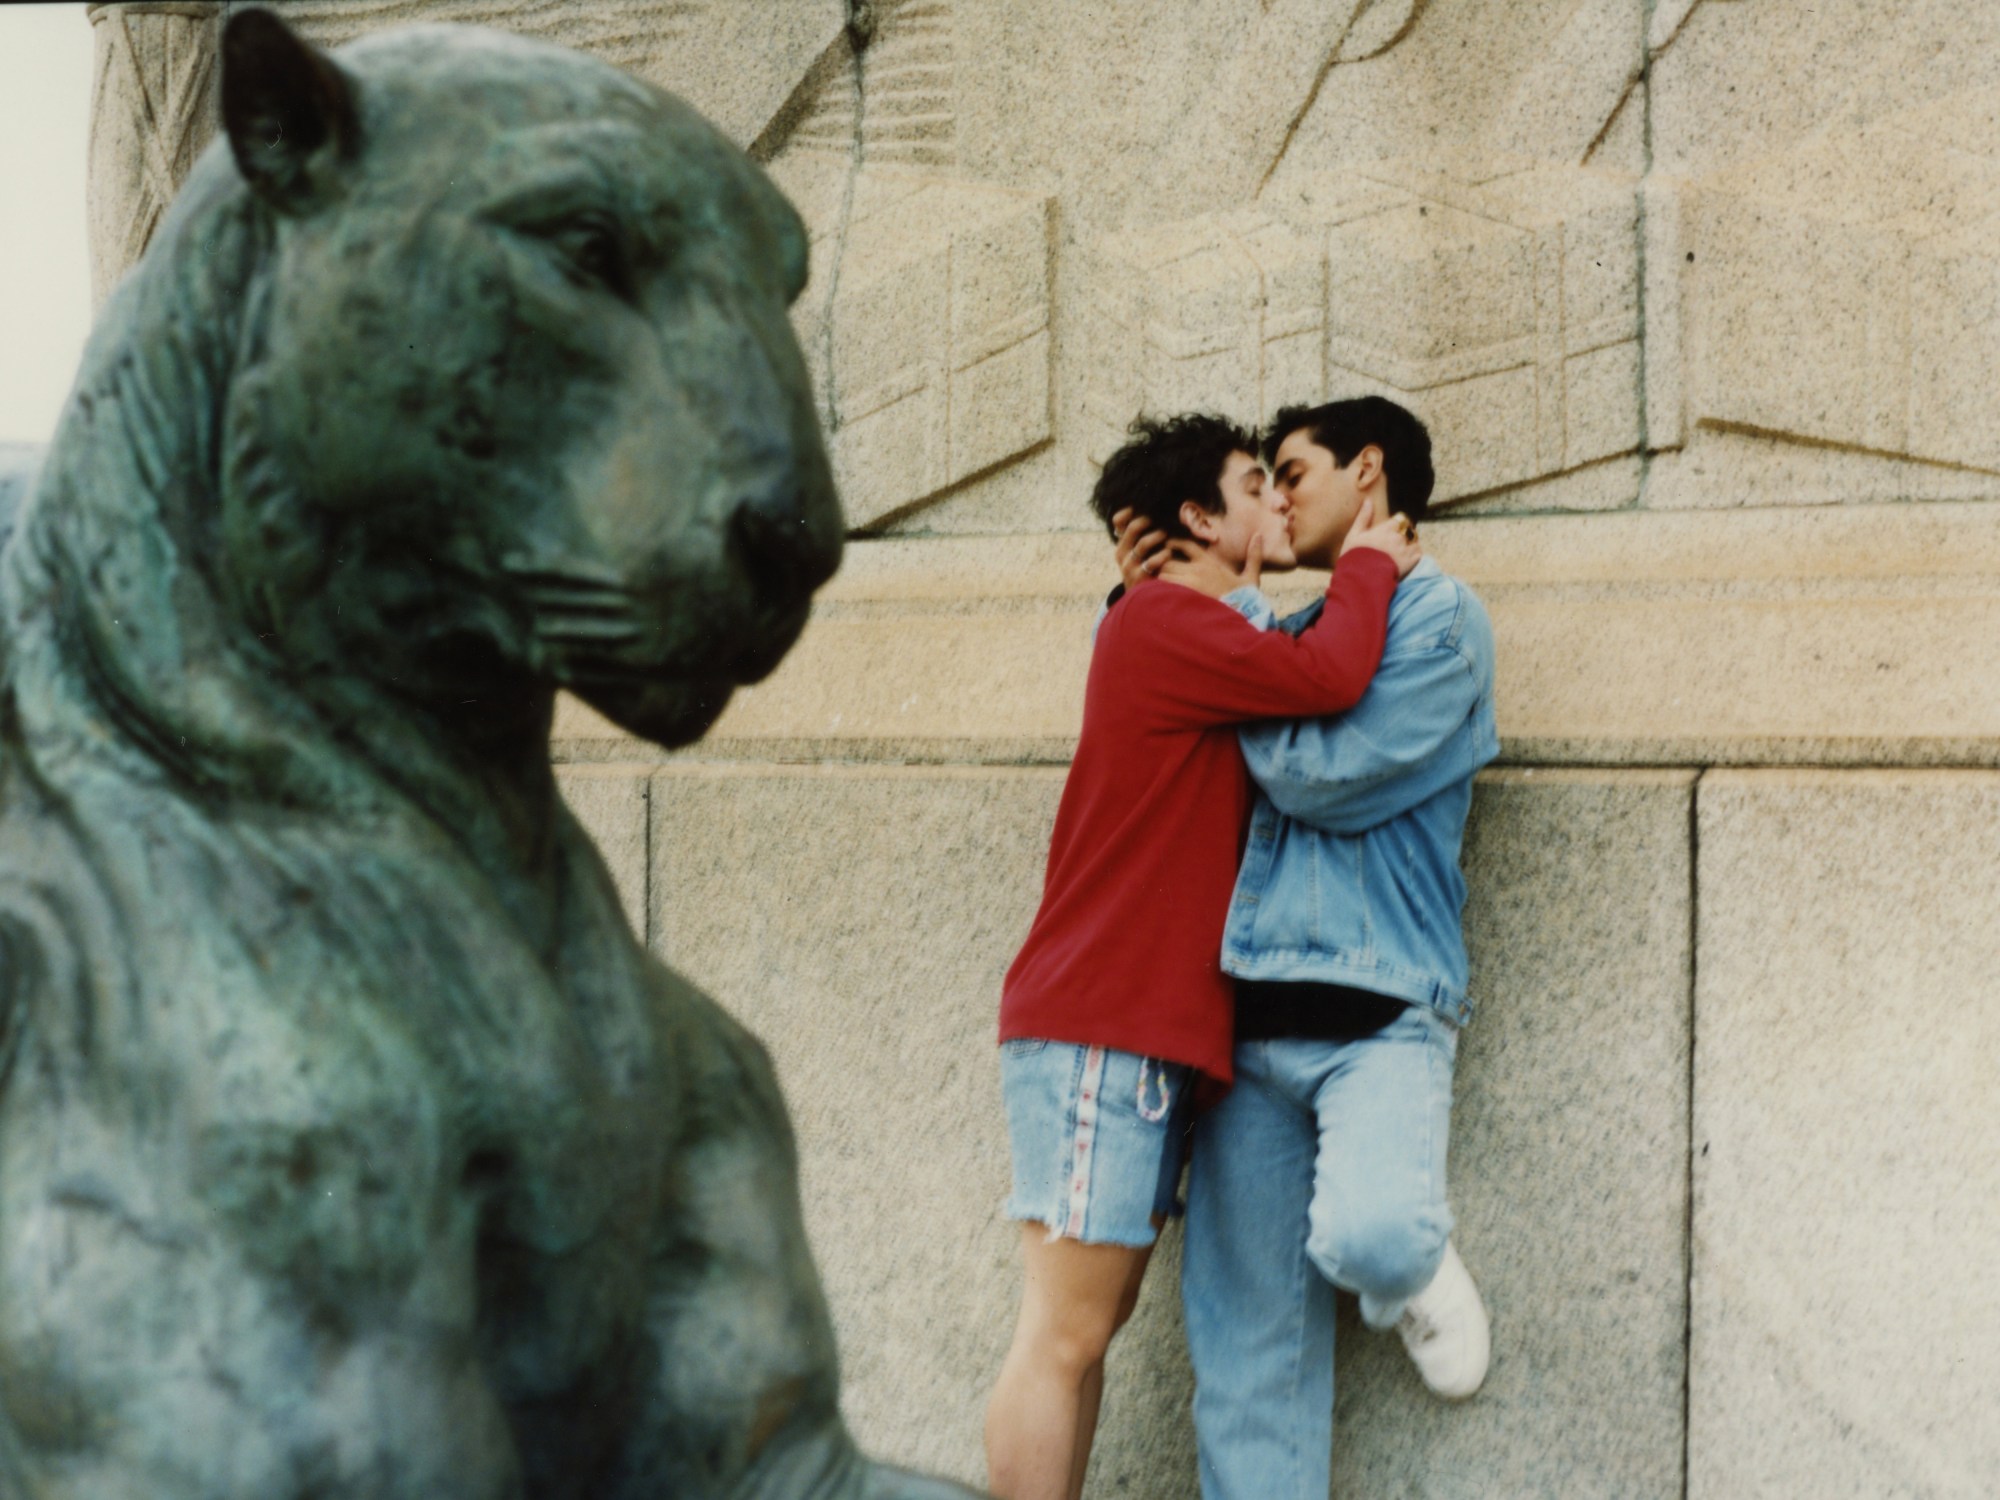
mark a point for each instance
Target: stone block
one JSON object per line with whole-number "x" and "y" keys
{"x": 1569, "y": 1160}
{"x": 1846, "y": 1329}
{"x": 610, "y": 802}
{"x": 860, "y": 921}
{"x": 153, "y": 109}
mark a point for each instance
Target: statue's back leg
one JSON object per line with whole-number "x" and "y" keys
{"x": 746, "y": 1396}
{"x": 144, "y": 1359}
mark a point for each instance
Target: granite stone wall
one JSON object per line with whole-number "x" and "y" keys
{"x": 1701, "y": 299}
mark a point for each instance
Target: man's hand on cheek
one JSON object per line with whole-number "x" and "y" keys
{"x": 1142, "y": 549}
{"x": 1396, "y": 536}
{"x": 1203, "y": 569}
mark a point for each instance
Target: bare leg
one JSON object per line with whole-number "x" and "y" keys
{"x": 1070, "y": 1308}
{"x": 1093, "y": 1384}
{"x": 1086, "y": 1428}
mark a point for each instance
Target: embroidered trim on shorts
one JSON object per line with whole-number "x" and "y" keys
{"x": 1086, "y": 1133}
{"x": 1153, "y": 1114}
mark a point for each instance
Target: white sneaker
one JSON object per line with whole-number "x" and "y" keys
{"x": 1444, "y": 1327}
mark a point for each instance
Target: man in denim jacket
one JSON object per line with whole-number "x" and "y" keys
{"x": 1325, "y": 1165}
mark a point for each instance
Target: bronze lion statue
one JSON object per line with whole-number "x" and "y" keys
{"x": 350, "y": 1146}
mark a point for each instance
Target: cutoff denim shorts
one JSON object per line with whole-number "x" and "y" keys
{"x": 1098, "y": 1138}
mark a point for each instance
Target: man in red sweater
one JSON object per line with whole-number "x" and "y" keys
{"x": 1116, "y": 1001}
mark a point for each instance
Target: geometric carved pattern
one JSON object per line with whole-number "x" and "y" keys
{"x": 635, "y": 35}
{"x": 1223, "y": 313}
{"x": 909, "y": 116}
{"x": 153, "y": 110}
{"x": 1501, "y": 303}
{"x": 936, "y": 365}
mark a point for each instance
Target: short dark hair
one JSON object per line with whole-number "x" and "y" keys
{"x": 1165, "y": 461}
{"x": 1344, "y": 428}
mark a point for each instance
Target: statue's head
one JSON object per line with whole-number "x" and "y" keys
{"x": 519, "y": 400}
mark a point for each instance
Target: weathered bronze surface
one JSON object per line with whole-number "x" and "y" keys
{"x": 350, "y": 1146}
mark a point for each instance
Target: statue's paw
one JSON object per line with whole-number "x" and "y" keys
{"x": 880, "y": 1482}
{"x": 822, "y": 1463}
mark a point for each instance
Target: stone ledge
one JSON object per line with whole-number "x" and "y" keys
{"x": 1755, "y": 637}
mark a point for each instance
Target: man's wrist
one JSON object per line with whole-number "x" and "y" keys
{"x": 1353, "y": 557}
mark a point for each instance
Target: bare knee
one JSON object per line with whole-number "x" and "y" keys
{"x": 1072, "y": 1338}
{"x": 1077, "y": 1297}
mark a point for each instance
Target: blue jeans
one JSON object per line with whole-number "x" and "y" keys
{"x": 1324, "y": 1167}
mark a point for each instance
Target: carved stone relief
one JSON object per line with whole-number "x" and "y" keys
{"x": 770, "y": 46}
{"x": 906, "y": 113}
{"x": 1578, "y": 267}
{"x": 1224, "y": 313}
{"x": 1500, "y": 300}
{"x": 1848, "y": 292}
{"x": 153, "y": 106}
{"x": 152, "y": 110}
{"x": 929, "y": 340}
{"x": 927, "y": 319}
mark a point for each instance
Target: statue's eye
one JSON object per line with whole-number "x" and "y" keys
{"x": 591, "y": 252}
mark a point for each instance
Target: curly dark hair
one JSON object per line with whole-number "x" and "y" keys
{"x": 1344, "y": 428}
{"x": 1169, "y": 460}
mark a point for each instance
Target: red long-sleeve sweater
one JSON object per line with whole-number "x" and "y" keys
{"x": 1126, "y": 949}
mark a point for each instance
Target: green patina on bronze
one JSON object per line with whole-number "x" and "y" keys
{"x": 350, "y": 1146}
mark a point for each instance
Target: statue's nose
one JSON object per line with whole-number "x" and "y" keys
{"x": 786, "y": 538}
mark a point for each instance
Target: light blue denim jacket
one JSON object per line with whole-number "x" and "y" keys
{"x": 1350, "y": 874}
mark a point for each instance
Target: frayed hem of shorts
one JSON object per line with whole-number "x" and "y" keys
{"x": 1052, "y": 1234}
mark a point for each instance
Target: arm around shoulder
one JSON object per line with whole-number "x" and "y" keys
{"x": 1425, "y": 722}
{"x": 1216, "y": 667}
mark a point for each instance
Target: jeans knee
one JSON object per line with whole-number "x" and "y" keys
{"x": 1388, "y": 1257}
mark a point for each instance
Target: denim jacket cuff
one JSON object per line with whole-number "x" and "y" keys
{"x": 1252, "y": 604}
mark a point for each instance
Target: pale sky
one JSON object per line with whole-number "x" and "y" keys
{"x": 45, "y": 63}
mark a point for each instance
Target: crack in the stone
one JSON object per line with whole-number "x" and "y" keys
{"x": 1604, "y": 131}
{"x": 1671, "y": 37}
{"x": 1643, "y": 80}
{"x": 1333, "y": 60}
{"x": 860, "y": 30}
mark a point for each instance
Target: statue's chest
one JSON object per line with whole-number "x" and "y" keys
{"x": 390, "y": 1098}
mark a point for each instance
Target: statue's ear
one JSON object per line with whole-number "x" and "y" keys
{"x": 288, "y": 109}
